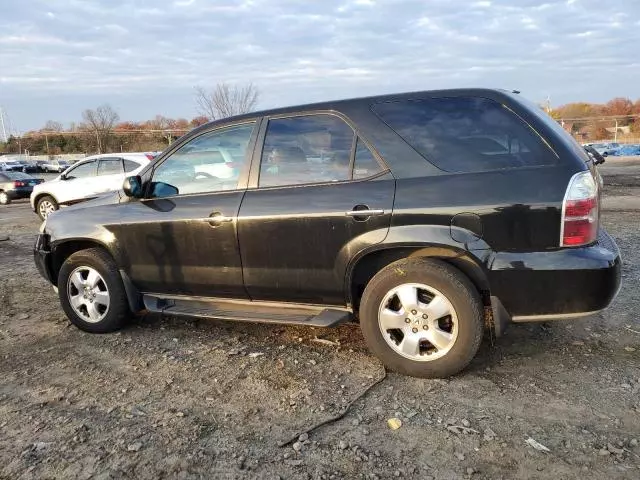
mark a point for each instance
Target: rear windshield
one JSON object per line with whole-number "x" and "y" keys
{"x": 18, "y": 176}
{"x": 466, "y": 134}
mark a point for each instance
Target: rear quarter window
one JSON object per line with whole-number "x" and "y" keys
{"x": 466, "y": 134}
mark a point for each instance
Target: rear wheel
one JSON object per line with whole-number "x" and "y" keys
{"x": 91, "y": 292}
{"x": 422, "y": 318}
{"x": 4, "y": 198}
{"x": 46, "y": 206}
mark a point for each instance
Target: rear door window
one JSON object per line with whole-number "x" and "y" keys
{"x": 466, "y": 134}
{"x": 365, "y": 164}
{"x": 306, "y": 149}
{"x": 130, "y": 166}
{"x": 110, "y": 166}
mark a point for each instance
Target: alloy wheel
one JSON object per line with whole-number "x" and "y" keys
{"x": 46, "y": 208}
{"x": 88, "y": 294}
{"x": 418, "y": 322}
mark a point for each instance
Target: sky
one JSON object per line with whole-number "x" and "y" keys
{"x": 144, "y": 57}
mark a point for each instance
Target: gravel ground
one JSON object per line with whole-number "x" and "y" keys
{"x": 168, "y": 398}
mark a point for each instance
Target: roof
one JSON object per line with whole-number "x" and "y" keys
{"x": 344, "y": 103}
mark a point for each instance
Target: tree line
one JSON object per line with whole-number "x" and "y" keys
{"x": 595, "y": 121}
{"x": 101, "y": 130}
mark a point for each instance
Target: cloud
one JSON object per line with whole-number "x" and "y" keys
{"x": 145, "y": 57}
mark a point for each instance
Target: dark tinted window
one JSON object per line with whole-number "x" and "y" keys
{"x": 466, "y": 134}
{"x": 130, "y": 166}
{"x": 110, "y": 166}
{"x": 83, "y": 170}
{"x": 306, "y": 149}
{"x": 365, "y": 164}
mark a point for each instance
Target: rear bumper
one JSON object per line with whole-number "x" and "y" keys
{"x": 42, "y": 257}
{"x": 563, "y": 283}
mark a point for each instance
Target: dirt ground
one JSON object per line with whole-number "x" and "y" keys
{"x": 169, "y": 398}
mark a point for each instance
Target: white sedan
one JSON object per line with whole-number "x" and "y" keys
{"x": 90, "y": 176}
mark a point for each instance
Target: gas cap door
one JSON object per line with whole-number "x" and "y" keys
{"x": 466, "y": 227}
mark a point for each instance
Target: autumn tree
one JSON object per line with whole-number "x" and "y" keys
{"x": 619, "y": 107}
{"x": 100, "y": 122}
{"x": 197, "y": 121}
{"x": 226, "y": 100}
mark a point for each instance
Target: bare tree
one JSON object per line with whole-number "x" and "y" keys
{"x": 53, "y": 126}
{"x": 226, "y": 100}
{"x": 100, "y": 122}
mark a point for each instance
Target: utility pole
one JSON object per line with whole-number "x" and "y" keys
{"x": 615, "y": 135}
{"x": 4, "y": 131}
{"x": 46, "y": 140}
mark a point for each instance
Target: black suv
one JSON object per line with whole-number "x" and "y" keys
{"x": 424, "y": 216}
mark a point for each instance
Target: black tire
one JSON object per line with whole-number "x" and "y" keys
{"x": 4, "y": 198}
{"x": 455, "y": 286}
{"x": 118, "y": 311}
{"x": 41, "y": 200}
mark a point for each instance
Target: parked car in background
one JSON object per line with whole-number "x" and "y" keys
{"x": 10, "y": 166}
{"x": 605, "y": 149}
{"x": 14, "y": 185}
{"x": 422, "y": 216}
{"x": 55, "y": 166}
{"x": 87, "y": 178}
{"x": 628, "y": 151}
{"x": 40, "y": 166}
{"x": 27, "y": 167}
{"x": 152, "y": 155}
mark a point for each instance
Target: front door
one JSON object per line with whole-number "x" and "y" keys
{"x": 322, "y": 196}
{"x": 79, "y": 182}
{"x": 182, "y": 238}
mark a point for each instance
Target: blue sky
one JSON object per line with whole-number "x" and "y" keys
{"x": 58, "y": 57}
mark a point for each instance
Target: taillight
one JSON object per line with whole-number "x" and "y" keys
{"x": 18, "y": 183}
{"x": 580, "y": 211}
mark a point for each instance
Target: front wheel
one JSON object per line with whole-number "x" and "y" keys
{"x": 422, "y": 317}
{"x": 46, "y": 206}
{"x": 91, "y": 292}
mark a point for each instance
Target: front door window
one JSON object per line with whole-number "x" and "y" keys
{"x": 211, "y": 162}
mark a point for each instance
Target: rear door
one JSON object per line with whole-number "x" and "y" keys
{"x": 110, "y": 174}
{"x": 319, "y": 195}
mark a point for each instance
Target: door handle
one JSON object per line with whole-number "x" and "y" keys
{"x": 365, "y": 213}
{"x": 216, "y": 219}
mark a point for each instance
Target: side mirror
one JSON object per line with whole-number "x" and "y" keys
{"x": 132, "y": 186}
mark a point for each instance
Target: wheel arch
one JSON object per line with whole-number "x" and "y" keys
{"x": 367, "y": 265}
{"x": 66, "y": 248}
{"x": 39, "y": 196}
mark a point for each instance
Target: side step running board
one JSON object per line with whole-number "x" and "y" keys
{"x": 247, "y": 311}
